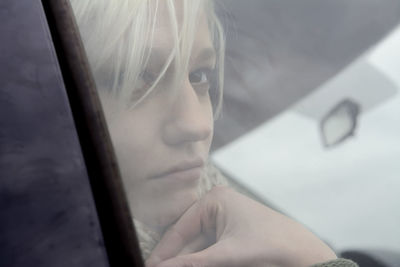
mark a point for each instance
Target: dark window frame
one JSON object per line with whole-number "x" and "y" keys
{"x": 111, "y": 203}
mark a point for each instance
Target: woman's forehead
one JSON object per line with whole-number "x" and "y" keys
{"x": 164, "y": 6}
{"x": 164, "y": 40}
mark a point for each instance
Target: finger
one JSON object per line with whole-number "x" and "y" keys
{"x": 217, "y": 255}
{"x": 177, "y": 237}
{"x": 199, "y": 243}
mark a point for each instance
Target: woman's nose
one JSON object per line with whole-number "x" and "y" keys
{"x": 191, "y": 118}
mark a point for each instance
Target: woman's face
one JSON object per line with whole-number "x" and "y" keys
{"x": 162, "y": 144}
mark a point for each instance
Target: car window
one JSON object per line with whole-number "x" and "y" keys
{"x": 289, "y": 103}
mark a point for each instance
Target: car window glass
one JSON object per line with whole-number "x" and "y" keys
{"x": 291, "y": 104}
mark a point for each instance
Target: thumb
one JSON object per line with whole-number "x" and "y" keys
{"x": 177, "y": 237}
{"x": 200, "y": 219}
{"x": 214, "y": 256}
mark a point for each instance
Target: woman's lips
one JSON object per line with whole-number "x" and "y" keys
{"x": 187, "y": 171}
{"x": 184, "y": 175}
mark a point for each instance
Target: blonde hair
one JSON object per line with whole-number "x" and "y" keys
{"x": 117, "y": 35}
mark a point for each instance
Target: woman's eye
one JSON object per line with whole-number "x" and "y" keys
{"x": 201, "y": 76}
{"x": 147, "y": 77}
{"x": 145, "y": 81}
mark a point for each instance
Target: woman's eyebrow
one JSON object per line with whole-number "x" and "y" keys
{"x": 206, "y": 55}
{"x": 158, "y": 52}
{"x": 158, "y": 56}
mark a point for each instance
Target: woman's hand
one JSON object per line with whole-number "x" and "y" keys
{"x": 226, "y": 228}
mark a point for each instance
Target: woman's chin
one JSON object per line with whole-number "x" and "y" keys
{"x": 159, "y": 211}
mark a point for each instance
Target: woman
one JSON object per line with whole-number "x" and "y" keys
{"x": 158, "y": 66}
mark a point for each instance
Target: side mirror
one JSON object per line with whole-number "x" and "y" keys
{"x": 340, "y": 123}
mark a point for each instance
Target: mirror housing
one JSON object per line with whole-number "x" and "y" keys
{"x": 339, "y": 123}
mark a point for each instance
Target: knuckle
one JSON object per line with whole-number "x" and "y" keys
{"x": 214, "y": 203}
{"x": 174, "y": 232}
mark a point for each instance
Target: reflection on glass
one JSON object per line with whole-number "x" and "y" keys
{"x": 339, "y": 123}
